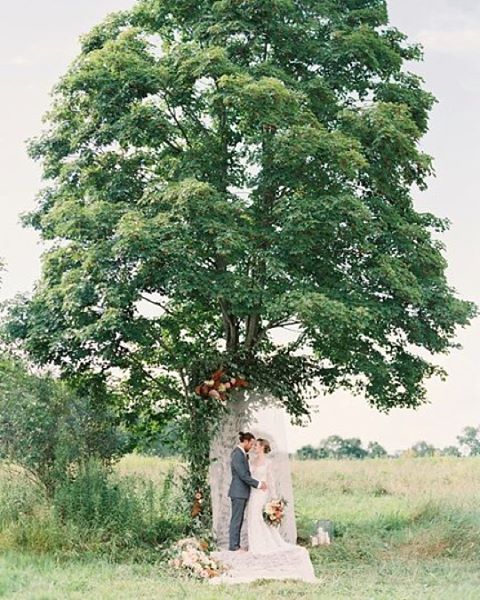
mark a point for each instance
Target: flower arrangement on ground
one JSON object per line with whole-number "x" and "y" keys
{"x": 274, "y": 511}
{"x": 191, "y": 556}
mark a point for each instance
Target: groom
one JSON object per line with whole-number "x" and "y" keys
{"x": 239, "y": 491}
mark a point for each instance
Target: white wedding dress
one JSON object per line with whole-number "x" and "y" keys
{"x": 269, "y": 556}
{"x": 263, "y": 538}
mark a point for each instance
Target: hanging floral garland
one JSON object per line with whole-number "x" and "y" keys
{"x": 220, "y": 385}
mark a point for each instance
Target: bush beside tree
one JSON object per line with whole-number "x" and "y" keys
{"x": 49, "y": 429}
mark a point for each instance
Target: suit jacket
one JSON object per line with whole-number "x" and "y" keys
{"x": 242, "y": 480}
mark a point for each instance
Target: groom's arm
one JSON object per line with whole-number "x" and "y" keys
{"x": 241, "y": 470}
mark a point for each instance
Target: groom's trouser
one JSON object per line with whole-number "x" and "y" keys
{"x": 238, "y": 510}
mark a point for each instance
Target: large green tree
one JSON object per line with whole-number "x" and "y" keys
{"x": 241, "y": 166}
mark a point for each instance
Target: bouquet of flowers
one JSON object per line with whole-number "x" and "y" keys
{"x": 190, "y": 555}
{"x": 274, "y": 511}
{"x": 220, "y": 385}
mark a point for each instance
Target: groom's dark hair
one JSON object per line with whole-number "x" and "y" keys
{"x": 246, "y": 436}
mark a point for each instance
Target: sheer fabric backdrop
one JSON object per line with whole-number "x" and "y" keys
{"x": 269, "y": 423}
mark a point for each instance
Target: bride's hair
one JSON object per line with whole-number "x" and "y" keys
{"x": 265, "y": 445}
{"x": 246, "y": 436}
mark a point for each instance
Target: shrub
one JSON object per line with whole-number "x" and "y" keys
{"x": 93, "y": 512}
{"x": 91, "y": 500}
{"x": 18, "y": 498}
{"x": 47, "y": 428}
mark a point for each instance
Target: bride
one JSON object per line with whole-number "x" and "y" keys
{"x": 271, "y": 556}
{"x": 263, "y": 538}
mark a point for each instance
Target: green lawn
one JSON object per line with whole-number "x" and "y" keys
{"x": 34, "y": 578}
{"x": 406, "y": 529}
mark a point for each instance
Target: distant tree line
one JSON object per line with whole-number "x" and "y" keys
{"x": 336, "y": 447}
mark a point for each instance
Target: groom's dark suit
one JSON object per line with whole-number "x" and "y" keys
{"x": 239, "y": 493}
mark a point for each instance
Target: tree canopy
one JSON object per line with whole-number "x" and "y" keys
{"x": 469, "y": 440}
{"x": 241, "y": 166}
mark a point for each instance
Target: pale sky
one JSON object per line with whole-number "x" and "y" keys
{"x": 39, "y": 39}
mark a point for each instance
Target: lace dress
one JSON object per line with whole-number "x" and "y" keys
{"x": 263, "y": 538}
{"x": 269, "y": 556}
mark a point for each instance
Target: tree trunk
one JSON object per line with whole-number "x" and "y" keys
{"x": 245, "y": 415}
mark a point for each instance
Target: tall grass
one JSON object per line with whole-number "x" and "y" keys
{"x": 404, "y": 529}
{"x": 95, "y": 513}
{"x": 412, "y": 509}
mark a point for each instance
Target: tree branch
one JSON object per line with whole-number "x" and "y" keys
{"x": 162, "y": 306}
{"x": 281, "y": 323}
{"x": 171, "y": 112}
{"x": 184, "y": 383}
{"x": 252, "y": 329}
{"x": 230, "y": 325}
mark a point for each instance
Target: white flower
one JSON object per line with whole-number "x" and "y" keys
{"x": 192, "y": 557}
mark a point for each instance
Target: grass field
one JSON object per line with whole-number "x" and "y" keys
{"x": 405, "y": 529}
